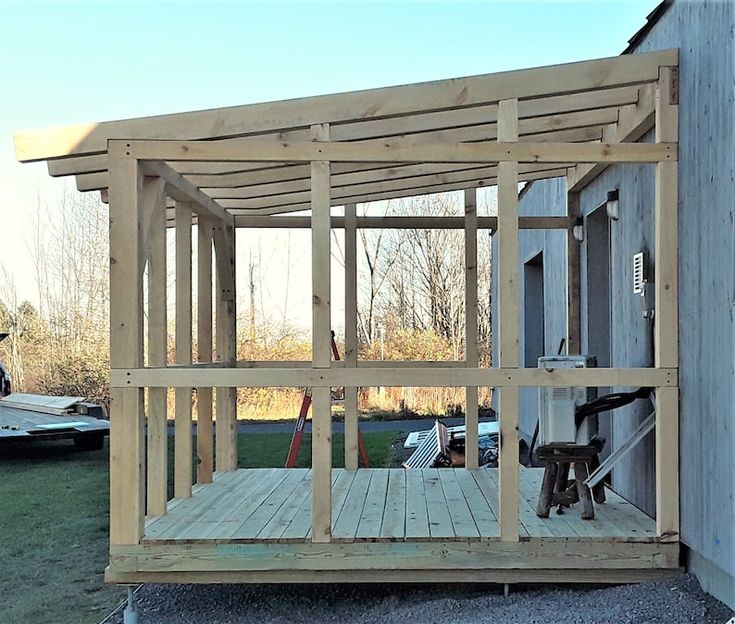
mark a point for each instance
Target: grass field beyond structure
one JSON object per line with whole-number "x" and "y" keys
{"x": 55, "y": 518}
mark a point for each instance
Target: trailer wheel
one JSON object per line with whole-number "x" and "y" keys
{"x": 90, "y": 442}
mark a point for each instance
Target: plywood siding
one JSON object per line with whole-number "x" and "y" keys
{"x": 704, "y": 32}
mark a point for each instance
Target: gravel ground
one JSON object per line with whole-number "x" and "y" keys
{"x": 677, "y": 601}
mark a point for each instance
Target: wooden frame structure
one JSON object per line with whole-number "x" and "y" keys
{"x": 247, "y": 166}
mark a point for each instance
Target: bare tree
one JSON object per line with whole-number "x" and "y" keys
{"x": 415, "y": 279}
{"x": 60, "y": 345}
{"x": 381, "y": 250}
{"x": 11, "y": 321}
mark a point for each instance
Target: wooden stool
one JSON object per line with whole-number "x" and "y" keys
{"x": 556, "y": 489}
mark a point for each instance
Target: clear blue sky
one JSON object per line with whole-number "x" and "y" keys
{"x": 66, "y": 62}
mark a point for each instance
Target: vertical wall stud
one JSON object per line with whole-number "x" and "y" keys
{"x": 205, "y": 433}
{"x": 183, "y": 405}
{"x": 157, "y": 456}
{"x": 509, "y": 301}
{"x": 471, "y": 350}
{"x": 321, "y": 352}
{"x": 226, "y": 342}
{"x": 351, "y": 347}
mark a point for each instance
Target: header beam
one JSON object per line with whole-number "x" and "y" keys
{"x": 395, "y": 151}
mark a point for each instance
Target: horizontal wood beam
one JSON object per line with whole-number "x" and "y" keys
{"x": 393, "y": 377}
{"x": 547, "y": 106}
{"x": 425, "y": 189}
{"x": 400, "y": 223}
{"x": 180, "y": 189}
{"x": 297, "y": 173}
{"x": 396, "y": 151}
{"x": 375, "y": 180}
{"x": 482, "y": 175}
{"x": 245, "y": 207}
{"x": 457, "y": 93}
{"x": 296, "y": 177}
{"x": 560, "y": 556}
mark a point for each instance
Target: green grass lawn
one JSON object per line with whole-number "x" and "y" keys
{"x": 54, "y": 521}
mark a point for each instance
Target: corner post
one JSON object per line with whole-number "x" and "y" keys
{"x": 205, "y": 433}
{"x": 667, "y": 307}
{"x": 470, "y": 341}
{"x": 351, "y": 348}
{"x": 508, "y": 343}
{"x": 183, "y": 414}
{"x": 127, "y": 492}
{"x": 321, "y": 443}
{"x": 157, "y": 455}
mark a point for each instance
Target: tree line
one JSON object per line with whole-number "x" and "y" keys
{"x": 410, "y": 307}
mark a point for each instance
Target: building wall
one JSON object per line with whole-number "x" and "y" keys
{"x": 704, "y": 32}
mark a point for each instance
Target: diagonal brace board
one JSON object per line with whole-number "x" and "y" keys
{"x": 635, "y": 438}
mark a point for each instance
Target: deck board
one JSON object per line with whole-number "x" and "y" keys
{"x": 371, "y": 517}
{"x": 417, "y": 514}
{"x": 440, "y": 521}
{"x": 257, "y": 521}
{"x": 183, "y": 512}
{"x": 345, "y": 525}
{"x": 393, "y": 525}
{"x": 280, "y": 521}
{"x": 459, "y": 510}
{"x": 247, "y": 504}
{"x": 382, "y": 505}
{"x": 482, "y": 513}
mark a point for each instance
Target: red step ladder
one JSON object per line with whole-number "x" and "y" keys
{"x": 298, "y": 432}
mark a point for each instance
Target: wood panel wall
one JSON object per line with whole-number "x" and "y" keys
{"x": 703, "y": 32}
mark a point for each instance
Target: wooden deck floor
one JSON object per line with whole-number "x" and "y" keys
{"x": 381, "y": 505}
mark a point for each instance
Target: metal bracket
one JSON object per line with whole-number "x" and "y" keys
{"x": 130, "y": 615}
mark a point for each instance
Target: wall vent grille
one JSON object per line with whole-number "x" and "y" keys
{"x": 638, "y": 273}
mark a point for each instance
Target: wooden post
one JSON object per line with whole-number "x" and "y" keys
{"x": 182, "y": 418}
{"x": 667, "y": 307}
{"x": 205, "y": 433}
{"x": 226, "y": 322}
{"x": 471, "y": 350}
{"x": 508, "y": 339}
{"x": 573, "y": 275}
{"x": 157, "y": 456}
{"x": 351, "y": 347}
{"x": 127, "y": 498}
{"x": 321, "y": 444}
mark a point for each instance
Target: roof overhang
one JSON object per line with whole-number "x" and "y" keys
{"x": 609, "y": 100}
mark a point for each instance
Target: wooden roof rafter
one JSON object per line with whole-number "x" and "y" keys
{"x": 608, "y": 101}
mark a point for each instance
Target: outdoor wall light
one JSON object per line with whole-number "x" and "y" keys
{"x": 578, "y": 229}
{"x": 612, "y": 205}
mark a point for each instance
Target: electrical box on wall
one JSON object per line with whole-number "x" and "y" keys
{"x": 557, "y": 405}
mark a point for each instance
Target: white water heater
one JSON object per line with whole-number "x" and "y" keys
{"x": 558, "y": 404}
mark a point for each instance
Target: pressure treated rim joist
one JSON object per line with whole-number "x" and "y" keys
{"x": 246, "y": 166}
